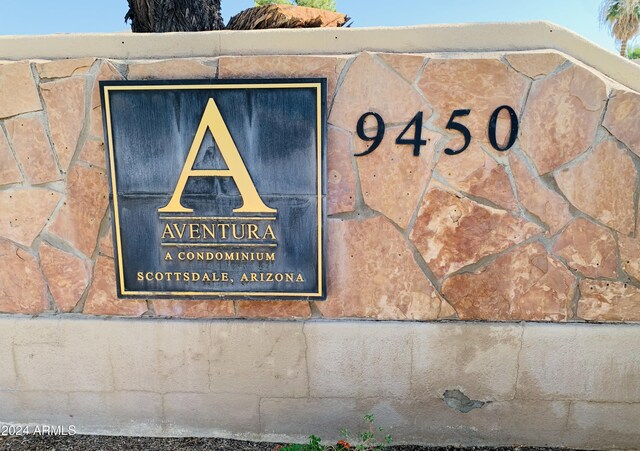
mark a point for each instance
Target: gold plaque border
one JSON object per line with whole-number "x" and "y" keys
{"x": 236, "y": 85}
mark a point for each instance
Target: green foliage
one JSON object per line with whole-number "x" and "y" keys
{"x": 633, "y": 52}
{"x": 271, "y": 2}
{"x": 313, "y": 445}
{"x": 366, "y": 440}
{"x": 623, "y": 19}
{"x": 329, "y": 5}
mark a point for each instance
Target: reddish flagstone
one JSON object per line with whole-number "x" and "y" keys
{"x": 273, "y": 309}
{"x": 630, "y": 255}
{"x": 78, "y": 221}
{"x": 603, "y": 186}
{"x": 480, "y": 85}
{"x": 193, "y": 309}
{"x": 608, "y": 301}
{"x": 22, "y": 287}
{"x": 452, "y": 232}
{"x": 102, "y": 298}
{"x": 588, "y": 248}
{"x": 523, "y": 284}
{"x": 341, "y": 178}
{"x": 543, "y": 202}
{"x": 67, "y": 275}
{"x": 476, "y": 173}
{"x": 372, "y": 274}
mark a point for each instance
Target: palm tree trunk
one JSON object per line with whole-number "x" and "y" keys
{"x": 157, "y": 16}
{"x": 623, "y": 49}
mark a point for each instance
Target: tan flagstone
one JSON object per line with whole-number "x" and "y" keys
{"x": 106, "y": 244}
{"x": 106, "y": 72}
{"x": 369, "y": 86}
{"x": 603, "y": 186}
{"x": 535, "y": 65}
{"x": 179, "y": 68}
{"x": 65, "y": 111}
{"x": 33, "y": 150}
{"x": 9, "y": 172}
{"x": 25, "y": 211}
{"x": 562, "y": 116}
{"x": 406, "y": 65}
{"x": 284, "y": 66}
{"x": 79, "y": 219}
{"x": 18, "y": 89}
{"x": 65, "y": 67}
{"x": 93, "y": 153}
{"x": 392, "y": 179}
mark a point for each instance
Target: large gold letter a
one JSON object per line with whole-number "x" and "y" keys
{"x": 212, "y": 120}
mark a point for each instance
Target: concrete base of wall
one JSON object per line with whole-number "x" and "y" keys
{"x": 542, "y": 384}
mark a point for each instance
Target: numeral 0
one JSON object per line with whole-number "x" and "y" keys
{"x": 417, "y": 140}
{"x": 514, "y": 128}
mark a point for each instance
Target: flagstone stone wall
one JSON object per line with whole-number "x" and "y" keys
{"x": 545, "y": 231}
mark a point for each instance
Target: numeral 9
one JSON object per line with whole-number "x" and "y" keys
{"x": 377, "y": 139}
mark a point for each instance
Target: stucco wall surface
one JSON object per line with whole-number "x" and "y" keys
{"x": 541, "y": 384}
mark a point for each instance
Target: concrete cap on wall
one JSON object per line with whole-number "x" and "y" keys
{"x": 477, "y": 37}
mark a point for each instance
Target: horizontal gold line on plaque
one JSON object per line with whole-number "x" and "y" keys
{"x": 219, "y": 245}
{"x": 218, "y": 218}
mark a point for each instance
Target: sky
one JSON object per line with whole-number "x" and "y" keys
{"x": 86, "y": 16}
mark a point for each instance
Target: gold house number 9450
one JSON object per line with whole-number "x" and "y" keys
{"x": 417, "y": 140}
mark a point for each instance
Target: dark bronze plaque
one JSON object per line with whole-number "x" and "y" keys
{"x": 217, "y": 187}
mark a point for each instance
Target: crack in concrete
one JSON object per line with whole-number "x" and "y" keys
{"x": 515, "y": 387}
{"x": 306, "y": 357}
